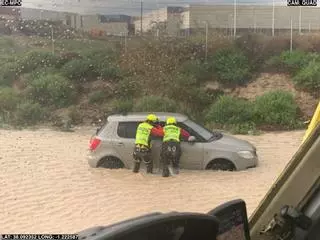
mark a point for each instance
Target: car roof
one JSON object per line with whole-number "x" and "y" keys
{"x": 141, "y": 116}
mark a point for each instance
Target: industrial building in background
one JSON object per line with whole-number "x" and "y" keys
{"x": 182, "y": 21}
{"x": 228, "y": 18}
{"x": 165, "y": 21}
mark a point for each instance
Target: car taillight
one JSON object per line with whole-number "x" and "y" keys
{"x": 94, "y": 143}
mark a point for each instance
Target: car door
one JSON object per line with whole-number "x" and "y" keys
{"x": 124, "y": 143}
{"x": 192, "y": 153}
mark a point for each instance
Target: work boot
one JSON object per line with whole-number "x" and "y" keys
{"x": 136, "y": 167}
{"x": 165, "y": 172}
{"x": 149, "y": 168}
{"x": 175, "y": 166}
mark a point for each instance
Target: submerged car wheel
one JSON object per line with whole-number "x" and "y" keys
{"x": 111, "y": 163}
{"x": 221, "y": 164}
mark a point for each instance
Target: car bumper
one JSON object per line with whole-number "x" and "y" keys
{"x": 245, "y": 163}
{"x": 92, "y": 159}
{"x": 253, "y": 162}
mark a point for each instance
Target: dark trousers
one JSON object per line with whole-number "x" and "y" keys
{"x": 170, "y": 154}
{"x": 142, "y": 154}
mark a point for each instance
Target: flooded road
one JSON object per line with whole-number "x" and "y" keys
{"x": 47, "y": 186}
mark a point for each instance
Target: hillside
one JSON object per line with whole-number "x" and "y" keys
{"x": 250, "y": 84}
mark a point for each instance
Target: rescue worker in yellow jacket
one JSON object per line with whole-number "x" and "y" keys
{"x": 142, "y": 149}
{"x": 171, "y": 149}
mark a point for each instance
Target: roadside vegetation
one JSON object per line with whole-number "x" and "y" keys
{"x": 80, "y": 85}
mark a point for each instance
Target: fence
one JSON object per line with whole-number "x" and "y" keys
{"x": 231, "y": 20}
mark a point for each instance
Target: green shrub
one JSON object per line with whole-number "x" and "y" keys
{"x": 29, "y": 113}
{"x": 8, "y": 99}
{"x": 186, "y": 89}
{"x": 99, "y": 55}
{"x": 197, "y": 69}
{"x": 80, "y": 70}
{"x": 276, "y": 108}
{"x": 97, "y": 97}
{"x": 231, "y": 66}
{"x": 196, "y": 115}
{"x": 66, "y": 57}
{"x": 155, "y": 104}
{"x": 8, "y": 73}
{"x": 75, "y": 115}
{"x": 122, "y": 106}
{"x": 41, "y": 71}
{"x": 103, "y": 61}
{"x": 292, "y": 61}
{"x": 308, "y": 77}
{"x": 230, "y": 110}
{"x": 36, "y": 59}
{"x": 6, "y": 42}
{"x": 108, "y": 71}
{"x": 51, "y": 89}
{"x": 128, "y": 88}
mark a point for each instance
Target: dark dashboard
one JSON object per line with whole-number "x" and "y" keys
{"x": 227, "y": 222}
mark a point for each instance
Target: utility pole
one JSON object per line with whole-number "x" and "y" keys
{"x": 291, "y": 34}
{"x": 125, "y": 42}
{"x": 52, "y": 40}
{"x": 206, "y": 41}
{"x": 141, "y": 15}
{"x": 273, "y": 18}
{"x": 300, "y": 20}
{"x": 309, "y": 26}
{"x": 235, "y": 18}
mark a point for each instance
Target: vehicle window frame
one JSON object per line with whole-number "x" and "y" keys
{"x": 199, "y": 138}
{"x": 126, "y": 135}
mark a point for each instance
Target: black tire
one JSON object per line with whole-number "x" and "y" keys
{"x": 110, "y": 163}
{"x": 221, "y": 164}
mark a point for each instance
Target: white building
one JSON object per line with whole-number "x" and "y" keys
{"x": 41, "y": 14}
{"x": 165, "y": 20}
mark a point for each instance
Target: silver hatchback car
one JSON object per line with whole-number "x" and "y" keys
{"x": 112, "y": 145}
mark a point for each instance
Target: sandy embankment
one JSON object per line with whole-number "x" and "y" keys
{"x": 47, "y": 186}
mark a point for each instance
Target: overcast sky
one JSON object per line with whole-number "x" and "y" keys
{"x": 131, "y": 7}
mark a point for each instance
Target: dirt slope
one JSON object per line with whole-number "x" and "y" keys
{"x": 267, "y": 82}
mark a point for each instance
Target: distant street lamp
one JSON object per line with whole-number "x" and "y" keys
{"x": 206, "y": 53}
{"x": 235, "y": 18}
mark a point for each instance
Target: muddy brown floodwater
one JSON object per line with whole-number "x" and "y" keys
{"x": 46, "y": 185}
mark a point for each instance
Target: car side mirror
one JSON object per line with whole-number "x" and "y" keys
{"x": 191, "y": 139}
{"x": 234, "y": 219}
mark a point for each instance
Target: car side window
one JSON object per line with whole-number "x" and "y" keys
{"x": 127, "y": 129}
{"x": 190, "y": 131}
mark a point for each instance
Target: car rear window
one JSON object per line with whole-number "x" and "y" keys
{"x": 101, "y": 128}
{"x": 127, "y": 129}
